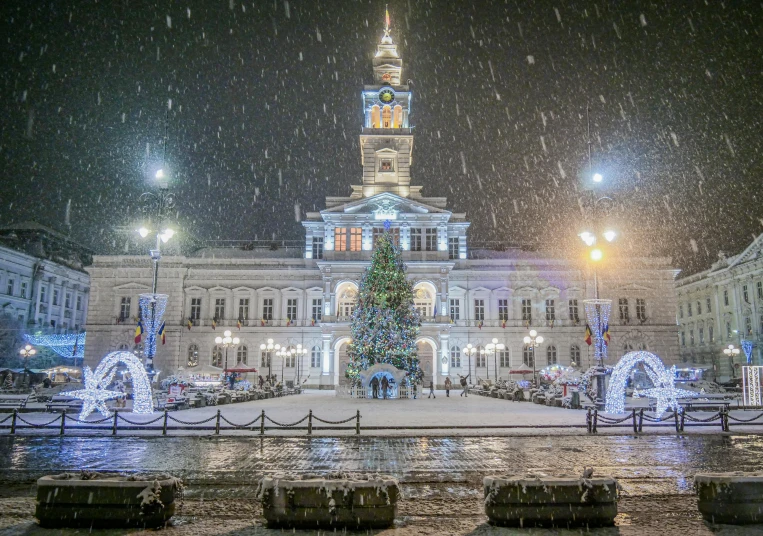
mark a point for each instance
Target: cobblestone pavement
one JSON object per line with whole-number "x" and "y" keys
{"x": 441, "y": 476}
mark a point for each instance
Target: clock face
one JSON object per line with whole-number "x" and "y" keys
{"x": 386, "y": 95}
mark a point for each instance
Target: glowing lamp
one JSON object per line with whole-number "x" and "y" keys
{"x": 596, "y": 254}
{"x": 597, "y": 177}
{"x": 610, "y": 235}
{"x": 143, "y": 232}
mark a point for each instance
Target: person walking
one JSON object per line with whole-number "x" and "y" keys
{"x": 384, "y": 386}
{"x": 431, "y": 389}
{"x": 448, "y": 385}
{"x": 463, "y": 379}
{"x": 375, "y": 387}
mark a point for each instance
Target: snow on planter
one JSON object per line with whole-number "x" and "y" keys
{"x": 731, "y": 498}
{"x": 102, "y": 500}
{"x": 540, "y": 500}
{"x": 337, "y": 500}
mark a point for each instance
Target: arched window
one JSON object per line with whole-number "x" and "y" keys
{"x": 193, "y": 355}
{"x": 528, "y": 356}
{"x": 627, "y": 347}
{"x": 575, "y": 355}
{"x": 480, "y": 358}
{"x": 422, "y": 301}
{"x": 503, "y": 355}
{"x": 642, "y": 346}
{"x": 455, "y": 357}
{"x": 123, "y": 347}
{"x": 551, "y": 355}
{"x": 265, "y": 359}
{"x": 290, "y": 359}
{"x": 386, "y": 117}
{"x": 347, "y": 299}
{"x": 242, "y": 353}
{"x": 217, "y": 356}
{"x": 315, "y": 357}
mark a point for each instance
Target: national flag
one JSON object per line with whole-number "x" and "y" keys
{"x": 161, "y": 333}
{"x": 452, "y": 321}
{"x": 480, "y": 324}
{"x": 386, "y": 16}
{"x": 214, "y": 323}
{"x": 503, "y": 324}
{"x": 189, "y": 324}
{"x": 262, "y": 321}
{"x": 588, "y": 338}
{"x": 288, "y": 321}
{"x": 605, "y": 334}
{"x": 238, "y": 323}
{"x": 435, "y": 311}
{"x": 138, "y": 332}
{"x": 312, "y": 321}
{"x": 119, "y": 320}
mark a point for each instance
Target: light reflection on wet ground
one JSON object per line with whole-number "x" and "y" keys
{"x": 646, "y": 465}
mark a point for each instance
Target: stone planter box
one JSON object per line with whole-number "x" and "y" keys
{"x": 543, "y": 501}
{"x": 336, "y": 501}
{"x": 96, "y": 500}
{"x": 730, "y": 498}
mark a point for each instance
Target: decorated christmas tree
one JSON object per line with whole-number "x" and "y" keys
{"x": 384, "y": 322}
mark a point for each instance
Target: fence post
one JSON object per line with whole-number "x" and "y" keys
{"x": 13, "y": 421}
{"x": 217, "y": 423}
{"x": 164, "y": 426}
{"x": 675, "y": 418}
{"x": 633, "y": 416}
{"x": 683, "y": 417}
{"x": 724, "y": 420}
{"x": 114, "y": 424}
{"x": 63, "y": 422}
{"x": 262, "y": 422}
{"x": 588, "y": 420}
{"x": 595, "y": 420}
{"x": 310, "y": 422}
{"x": 641, "y": 420}
{"x": 357, "y": 423}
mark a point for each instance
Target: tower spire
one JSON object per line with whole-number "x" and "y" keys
{"x": 387, "y": 40}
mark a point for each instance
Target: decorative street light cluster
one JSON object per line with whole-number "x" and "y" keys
{"x": 269, "y": 347}
{"x": 469, "y": 351}
{"x": 226, "y": 341}
{"x": 533, "y": 341}
{"x": 492, "y": 348}
{"x": 285, "y": 352}
{"x": 731, "y": 351}
{"x": 27, "y": 351}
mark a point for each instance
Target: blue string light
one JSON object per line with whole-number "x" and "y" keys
{"x": 152, "y": 310}
{"x": 62, "y": 344}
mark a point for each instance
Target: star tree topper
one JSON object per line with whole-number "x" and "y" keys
{"x": 93, "y": 396}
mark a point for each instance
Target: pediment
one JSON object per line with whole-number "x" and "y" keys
{"x": 502, "y": 289}
{"x": 291, "y": 289}
{"x": 132, "y": 286}
{"x": 384, "y": 202}
{"x": 550, "y": 290}
{"x": 218, "y": 289}
{"x": 480, "y": 289}
{"x": 633, "y": 286}
{"x": 243, "y": 289}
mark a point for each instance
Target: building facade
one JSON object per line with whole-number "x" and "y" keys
{"x": 42, "y": 278}
{"x": 721, "y": 306}
{"x": 305, "y": 294}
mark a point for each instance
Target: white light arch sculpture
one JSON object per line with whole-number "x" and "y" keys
{"x": 663, "y": 379}
{"x": 95, "y": 394}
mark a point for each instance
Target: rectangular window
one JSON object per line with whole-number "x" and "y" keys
{"x": 415, "y": 239}
{"x": 23, "y": 289}
{"x": 726, "y": 298}
{"x": 527, "y": 310}
{"x": 691, "y": 337}
{"x": 79, "y": 303}
{"x": 480, "y": 360}
{"x": 9, "y": 288}
{"x": 315, "y": 357}
{"x": 386, "y": 164}
{"x": 431, "y": 239}
{"x": 317, "y": 247}
{"x": 243, "y": 309}
{"x": 124, "y": 309}
{"x": 265, "y": 359}
{"x": 710, "y": 334}
{"x": 573, "y": 311}
{"x": 641, "y": 309}
{"x": 267, "y": 309}
{"x": 699, "y": 307}
{"x": 195, "y": 308}
{"x": 760, "y": 290}
{"x": 317, "y": 309}
{"x": 550, "y": 310}
{"x": 290, "y": 361}
{"x": 55, "y": 296}
{"x": 728, "y": 330}
{"x": 394, "y": 233}
{"x": 291, "y": 309}
{"x": 219, "y": 309}
{"x": 745, "y": 294}
{"x": 504, "y": 357}
{"x": 347, "y": 238}
{"x": 479, "y": 310}
{"x": 683, "y": 338}
{"x": 688, "y": 309}
{"x": 503, "y": 310}
{"x": 681, "y": 311}
{"x": 43, "y": 292}
{"x": 68, "y": 300}
{"x": 455, "y": 309}
{"x": 622, "y": 304}
{"x": 701, "y": 336}
{"x": 747, "y": 326}
{"x": 453, "y": 247}
{"x": 707, "y": 306}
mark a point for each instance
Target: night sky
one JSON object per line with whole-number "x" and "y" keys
{"x": 265, "y": 115}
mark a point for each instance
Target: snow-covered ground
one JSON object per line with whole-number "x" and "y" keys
{"x": 474, "y": 411}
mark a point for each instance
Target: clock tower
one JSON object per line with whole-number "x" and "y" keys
{"x": 386, "y": 141}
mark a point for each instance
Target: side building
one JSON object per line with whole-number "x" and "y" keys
{"x": 305, "y": 294}
{"x": 720, "y": 306}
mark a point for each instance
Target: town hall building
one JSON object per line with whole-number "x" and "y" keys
{"x": 305, "y": 296}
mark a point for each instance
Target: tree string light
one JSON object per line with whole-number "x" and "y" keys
{"x": 63, "y": 344}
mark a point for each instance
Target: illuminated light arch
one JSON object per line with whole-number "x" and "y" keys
{"x": 663, "y": 379}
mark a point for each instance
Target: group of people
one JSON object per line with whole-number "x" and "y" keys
{"x": 384, "y": 385}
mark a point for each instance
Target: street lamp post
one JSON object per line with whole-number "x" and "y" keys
{"x": 227, "y": 341}
{"x": 731, "y": 351}
{"x": 269, "y": 347}
{"x": 27, "y": 352}
{"x": 492, "y": 348}
{"x": 469, "y": 351}
{"x": 533, "y": 341}
{"x": 287, "y": 351}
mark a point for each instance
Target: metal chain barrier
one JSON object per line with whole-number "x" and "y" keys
{"x": 10, "y": 416}
{"x": 159, "y": 418}
{"x": 303, "y": 419}
{"x": 712, "y": 418}
{"x": 610, "y": 420}
{"x": 247, "y": 425}
{"x": 743, "y": 420}
{"x": 33, "y": 425}
{"x": 189, "y": 423}
{"x": 335, "y": 422}
{"x": 99, "y": 421}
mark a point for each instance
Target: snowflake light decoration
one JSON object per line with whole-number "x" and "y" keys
{"x": 93, "y": 396}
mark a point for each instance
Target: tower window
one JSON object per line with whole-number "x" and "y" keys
{"x": 386, "y": 117}
{"x": 386, "y": 164}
